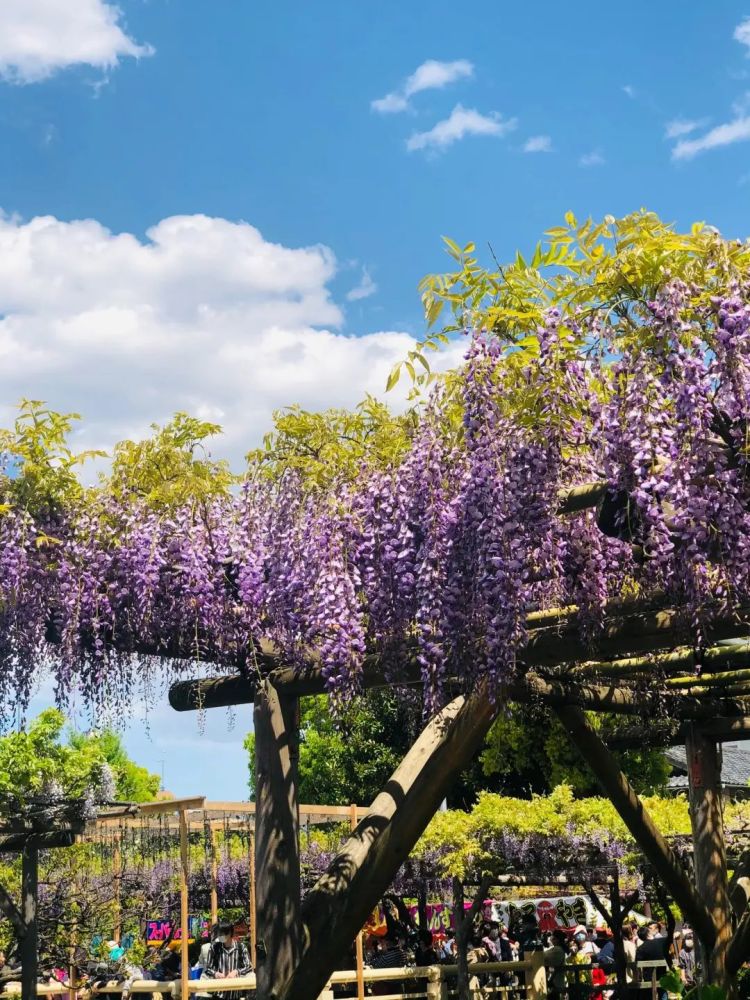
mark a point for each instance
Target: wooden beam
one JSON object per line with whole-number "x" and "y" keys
{"x": 340, "y": 902}
{"x": 10, "y": 911}
{"x": 277, "y": 862}
{"x": 739, "y": 946}
{"x": 739, "y": 885}
{"x": 709, "y": 849}
{"x": 237, "y": 690}
{"x": 45, "y": 841}
{"x": 634, "y": 815}
{"x": 684, "y": 658}
{"x": 28, "y": 944}
{"x": 171, "y": 806}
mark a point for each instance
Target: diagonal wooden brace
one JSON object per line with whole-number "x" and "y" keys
{"x": 739, "y": 886}
{"x": 634, "y": 815}
{"x": 339, "y": 904}
{"x": 11, "y": 912}
{"x": 739, "y": 946}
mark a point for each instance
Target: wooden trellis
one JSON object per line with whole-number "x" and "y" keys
{"x": 302, "y": 941}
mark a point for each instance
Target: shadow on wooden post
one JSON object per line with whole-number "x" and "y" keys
{"x": 277, "y": 864}
{"x": 709, "y": 850}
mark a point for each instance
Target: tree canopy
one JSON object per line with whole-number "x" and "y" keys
{"x": 44, "y": 756}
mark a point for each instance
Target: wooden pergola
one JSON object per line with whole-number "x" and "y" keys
{"x": 45, "y": 829}
{"x": 646, "y": 667}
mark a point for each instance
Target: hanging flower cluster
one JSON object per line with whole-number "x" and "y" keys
{"x": 447, "y": 553}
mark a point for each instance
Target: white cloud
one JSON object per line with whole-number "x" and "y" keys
{"x": 629, "y": 90}
{"x": 538, "y": 144}
{"x": 38, "y": 37}
{"x": 678, "y": 127}
{"x": 460, "y": 123}
{"x": 736, "y": 130}
{"x": 742, "y": 33}
{"x": 592, "y": 159}
{"x": 364, "y": 289}
{"x": 203, "y": 315}
{"x": 431, "y": 75}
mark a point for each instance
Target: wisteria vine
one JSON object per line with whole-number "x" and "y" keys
{"x": 448, "y": 552}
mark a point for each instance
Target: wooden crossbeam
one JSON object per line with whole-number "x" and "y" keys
{"x": 218, "y": 692}
{"x": 44, "y": 841}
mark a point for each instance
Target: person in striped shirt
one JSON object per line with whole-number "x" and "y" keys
{"x": 229, "y": 958}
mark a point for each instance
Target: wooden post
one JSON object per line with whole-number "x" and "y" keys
{"x": 536, "y": 976}
{"x": 709, "y": 850}
{"x": 253, "y": 924}
{"x": 29, "y": 942}
{"x": 342, "y": 899}
{"x": 277, "y": 861}
{"x": 184, "y": 906}
{"x": 623, "y": 797}
{"x": 214, "y": 874}
{"x": 358, "y": 941}
{"x": 117, "y": 863}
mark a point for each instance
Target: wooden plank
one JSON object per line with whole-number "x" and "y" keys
{"x": 277, "y": 860}
{"x": 28, "y": 945}
{"x": 709, "y": 849}
{"x": 342, "y": 899}
{"x": 184, "y": 905}
{"x": 171, "y": 806}
{"x": 636, "y": 818}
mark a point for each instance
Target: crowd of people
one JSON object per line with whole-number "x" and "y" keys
{"x": 581, "y": 961}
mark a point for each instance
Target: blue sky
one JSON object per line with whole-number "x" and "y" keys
{"x": 225, "y": 206}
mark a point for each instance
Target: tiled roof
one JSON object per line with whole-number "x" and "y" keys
{"x": 735, "y": 768}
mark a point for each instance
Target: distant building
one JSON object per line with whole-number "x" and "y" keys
{"x": 735, "y": 770}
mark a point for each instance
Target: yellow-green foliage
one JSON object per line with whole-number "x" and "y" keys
{"x": 463, "y": 836}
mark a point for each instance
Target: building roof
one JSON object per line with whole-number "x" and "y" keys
{"x": 735, "y": 768}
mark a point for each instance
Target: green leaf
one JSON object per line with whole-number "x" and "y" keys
{"x": 393, "y": 378}
{"x": 672, "y": 982}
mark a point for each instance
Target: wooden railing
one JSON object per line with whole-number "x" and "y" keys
{"x": 432, "y": 982}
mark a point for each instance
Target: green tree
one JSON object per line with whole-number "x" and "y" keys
{"x": 335, "y": 444}
{"x": 349, "y": 759}
{"x": 170, "y": 468}
{"x": 43, "y": 753}
{"x": 528, "y": 752}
